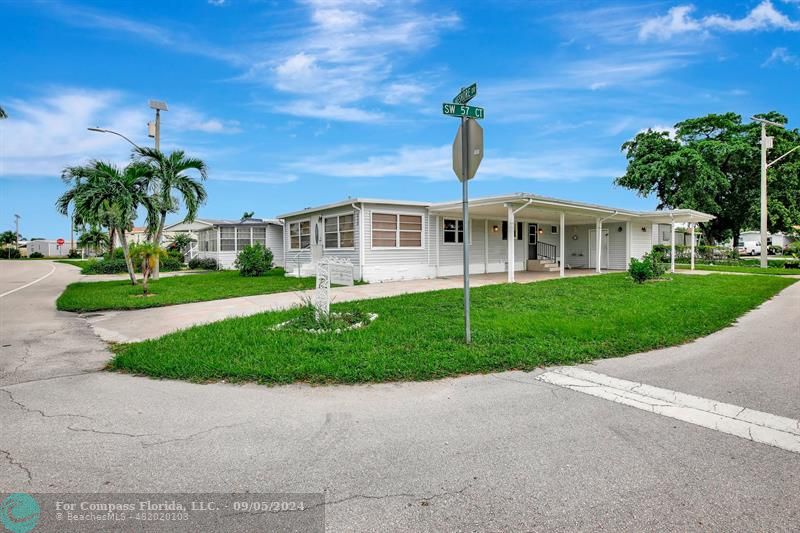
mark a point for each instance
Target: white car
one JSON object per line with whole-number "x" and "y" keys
{"x": 750, "y": 249}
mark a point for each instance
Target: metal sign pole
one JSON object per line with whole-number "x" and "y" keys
{"x": 465, "y": 207}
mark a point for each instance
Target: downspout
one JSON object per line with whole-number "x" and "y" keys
{"x": 361, "y": 254}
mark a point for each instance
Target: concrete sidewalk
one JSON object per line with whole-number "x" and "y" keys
{"x": 143, "y": 324}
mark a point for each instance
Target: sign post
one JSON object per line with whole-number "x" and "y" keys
{"x": 467, "y": 156}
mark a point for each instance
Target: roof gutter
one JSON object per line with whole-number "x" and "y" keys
{"x": 361, "y": 253}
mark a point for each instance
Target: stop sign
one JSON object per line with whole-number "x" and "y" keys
{"x": 60, "y": 242}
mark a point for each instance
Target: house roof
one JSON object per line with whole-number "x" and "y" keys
{"x": 350, "y": 201}
{"x": 229, "y": 222}
{"x": 522, "y": 199}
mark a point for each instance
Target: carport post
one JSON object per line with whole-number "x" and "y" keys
{"x": 561, "y": 244}
{"x": 672, "y": 248}
{"x": 510, "y": 235}
{"x": 692, "y": 226}
{"x": 598, "y": 230}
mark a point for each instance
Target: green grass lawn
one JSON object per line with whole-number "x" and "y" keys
{"x": 419, "y": 336}
{"x": 773, "y": 271}
{"x": 80, "y": 263}
{"x": 103, "y": 295}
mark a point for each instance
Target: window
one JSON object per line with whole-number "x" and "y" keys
{"x": 339, "y": 231}
{"x": 453, "y": 230}
{"x": 227, "y": 239}
{"x": 260, "y": 236}
{"x": 395, "y": 230}
{"x": 299, "y": 235}
{"x": 242, "y": 238}
{"x": 554, "y": 229}
{"x": 517, "y": 234}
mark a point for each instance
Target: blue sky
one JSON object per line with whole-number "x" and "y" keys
{"x": 294, "y": 104}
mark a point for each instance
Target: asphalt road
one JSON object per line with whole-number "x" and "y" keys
{"x": 491, "y": 452}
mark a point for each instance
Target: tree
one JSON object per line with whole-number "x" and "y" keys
{"x": 7, "y": 238}
{"x": 3, "y": 113}
{"x": 147, "y": 254}
{"x": 247, "y": 215}
{"x": 181, "y": 242}
{"x": 94, "y": 238}
{"x": 712, "y": 164}
{"x": 105, "y": 195}
{"x": 168, "y": 175}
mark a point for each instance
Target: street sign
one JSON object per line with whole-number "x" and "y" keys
{"x": 60, "y": 242}
{"x": 466, "y": 94}
{"x": 474, "y": 149}
{"x": 459, "y": 110}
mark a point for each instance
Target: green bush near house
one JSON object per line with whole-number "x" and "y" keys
{"x": 117, "y": 266}
{"x": 254, "y": 260}
{"x": 206, "y": 263}
{"x": 10, "y": 253}
{"x": 36, "y": 255}
{"x": 639, "y": 271}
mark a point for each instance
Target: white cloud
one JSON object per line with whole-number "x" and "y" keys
{"x": 348, "y": 52}
{"x": 314, "y": 109}
{"x": 434, "y": 163}
{"x": 43, "y": 135}
{"x": 781, "y": 55}
{"x": 217, "y": 2}
{"x": 252, "y": 177}
{"x": 679, "y": 20}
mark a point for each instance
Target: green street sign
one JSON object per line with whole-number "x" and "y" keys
{"x": 466, "y": 94}
{"x": 459, "y": 110}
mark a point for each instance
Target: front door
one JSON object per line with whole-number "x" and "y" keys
{"x": 533, "y": 239}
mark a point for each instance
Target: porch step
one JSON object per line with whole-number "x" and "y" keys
{"x": 542, "y": 265}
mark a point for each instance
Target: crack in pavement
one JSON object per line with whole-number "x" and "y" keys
{"x": 189, "y": 437}
{"x": 19, "y": 465}
{"x": 101, "y": 432}
{"x": 397, "y": 495}
{"x": 39, "y": 411}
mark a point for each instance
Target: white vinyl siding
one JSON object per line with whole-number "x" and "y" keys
{"x": 641, "y": 239}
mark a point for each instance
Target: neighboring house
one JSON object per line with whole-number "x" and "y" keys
{"x": 137, "y": 235}
{"x": 683, "y": 236}
{"x": 392, "y": 240}
{"x": 752, "y": 239}
{"x": 49, "y": 248}
{"x": 192, "y": 229}
{"x": 222, "y": 240}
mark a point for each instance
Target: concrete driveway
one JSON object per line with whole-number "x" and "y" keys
{"x": 493, "y": 452}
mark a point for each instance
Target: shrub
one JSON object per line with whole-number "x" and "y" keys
{"x": 170, "y": 264}
{"x": 10, "y": 253}
{"x": 640, "y": 271}
{"x": 254, "y": 260}
{"x": 73, "y": 254}
{"x": 774, "y": 250}
{"x": 208, "y": 263}
{"x": 657, "y": 266}
{"x": 36, "y": 255}
{"x": 105, "y": 266}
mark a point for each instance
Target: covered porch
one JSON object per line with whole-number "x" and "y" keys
{"x": 523, "y": 235}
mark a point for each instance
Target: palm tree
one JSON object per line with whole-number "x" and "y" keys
{"x": 3, "y": 113}
{"x": 147, "y": 254}
{"x": 181, "y": 241}
{"x": 168, "y": 174}
{"x": 94, "y": 238}
{"x": 248, "y": 215}
{"x": 104, "y": 194}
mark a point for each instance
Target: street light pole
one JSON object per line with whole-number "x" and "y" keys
{"x": 16, "y": 230}
{"x": 101, "y": 130}
{"x": 159, "y": 106}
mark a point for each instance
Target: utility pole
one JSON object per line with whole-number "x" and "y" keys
{"x": 16, "y": 230}
{"x": 154, "y": 129}
{"x": 766, "y": 144}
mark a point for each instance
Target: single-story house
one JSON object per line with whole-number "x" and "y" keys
{"x": 222, "y": 240}
{"x": 136, "y": 235}
{"x": 49, "y": 247}
{"x": 393, "y": 240}
{"x": 662, "y": 234}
